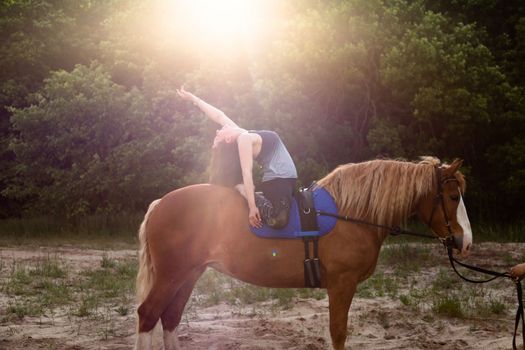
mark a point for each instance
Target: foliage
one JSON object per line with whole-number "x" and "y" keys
{"x": 87, "y": 144}
{"x": 90, "y": 122}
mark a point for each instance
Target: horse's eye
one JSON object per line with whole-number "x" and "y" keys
{"x": 454, "y": 197}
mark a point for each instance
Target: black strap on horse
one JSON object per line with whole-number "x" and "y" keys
{"x": 308, "y": 220}
{"x": 312, "y": 266}
{"x": 394, "y": 231}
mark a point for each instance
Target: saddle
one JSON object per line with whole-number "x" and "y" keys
{"x": 306, "y": 223}
{"x": 304, "y": 219}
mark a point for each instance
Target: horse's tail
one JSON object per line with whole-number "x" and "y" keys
{"x": 145, "y": 274}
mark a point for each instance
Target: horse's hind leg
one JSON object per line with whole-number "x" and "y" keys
{"x": 173, "y": 313}
{"x": 150, "y": 310}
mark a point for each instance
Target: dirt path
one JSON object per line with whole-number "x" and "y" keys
{"x": 391, "y": 321}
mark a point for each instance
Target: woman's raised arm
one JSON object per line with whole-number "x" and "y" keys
{"x": 211, "y": 112}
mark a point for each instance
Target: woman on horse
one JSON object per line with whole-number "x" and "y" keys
{"x": 234, "y": 150}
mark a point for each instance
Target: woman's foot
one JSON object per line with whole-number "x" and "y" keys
{"x": 265, "y": 207}
{"x": 280, "y": 219}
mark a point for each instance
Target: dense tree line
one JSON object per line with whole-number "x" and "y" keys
{"x": 90, "y": 122}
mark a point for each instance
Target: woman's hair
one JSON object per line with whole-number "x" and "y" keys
{"x": 225, "y": 168}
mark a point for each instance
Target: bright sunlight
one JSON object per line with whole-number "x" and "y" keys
{"x": 219, "y": 22}
{"x": 226, "y": 18}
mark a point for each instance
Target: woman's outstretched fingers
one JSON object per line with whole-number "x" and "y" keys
{"x": 185, "y": 95}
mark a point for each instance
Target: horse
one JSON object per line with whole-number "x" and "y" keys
{"x": 205, "y": 225}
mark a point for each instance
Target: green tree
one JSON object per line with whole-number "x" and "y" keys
{"x": 88, "y": 145}
{"x": 39, "y": 36}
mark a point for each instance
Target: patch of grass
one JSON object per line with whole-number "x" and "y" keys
{"x": 491, "y": 232}
{"x": 497, "y": 307}
{"x": 284, "y": 296}
{"x": 123, "y": 309}
{"x": 18, "y": 281}
{"x": 45, "y": 280}
{"x": 107, "y": 263}
{"x": 378, "y": 285}
{"x": 39, "y": 287}
{"x": 248, "y": 294}
{"x": 95, "y": 231}
{"x": 50, "y": 267}
{"x": 214, "y": 288}
{"x": 315, "y": 293}
{"x": 210, "y": 288}
{"x": 415, "y": 297}
{"x": 53, "y": 293}
{"x": 486, "y": 308}
{"x": 444, "y": 280}
{"x": 88, "y": 305}
{"x": 405, "y": 299}
{"x": 113, "y": 279}
{"x": 18, "y": 309}
{"x": 448, "y": 306}
{"x": 108, "y": 324}
{"x": 406, "y": 258}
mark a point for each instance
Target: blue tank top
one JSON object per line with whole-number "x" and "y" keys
{"x": 274, "y": 157}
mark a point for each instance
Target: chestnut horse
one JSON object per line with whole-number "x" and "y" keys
{"x": 206, "y": 225}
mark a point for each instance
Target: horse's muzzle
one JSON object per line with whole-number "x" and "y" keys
{"x": 463, "y": 249}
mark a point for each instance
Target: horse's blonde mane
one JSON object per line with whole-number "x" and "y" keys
{"x": 380, "y": 191}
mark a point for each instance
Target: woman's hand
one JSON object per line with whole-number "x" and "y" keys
{"x": 255, "y": 217}
{"x": 185, "y": 95}
{"x": 518, "y": 271}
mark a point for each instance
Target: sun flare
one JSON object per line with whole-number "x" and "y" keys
{"x": 218, "y": 21}
{"x": 227, "y": 18}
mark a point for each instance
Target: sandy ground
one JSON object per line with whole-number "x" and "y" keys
{"x": 374, "y": 323}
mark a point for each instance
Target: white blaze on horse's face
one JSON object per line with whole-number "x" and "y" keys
{"x": 463, "y": 221}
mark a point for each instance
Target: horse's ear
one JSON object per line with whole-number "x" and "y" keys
{"x": 452, "y": 168}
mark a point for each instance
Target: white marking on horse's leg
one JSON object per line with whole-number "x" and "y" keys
{"x": 171, "y": 340}
{"x": 144, "y": 340}
{"x": 464, "y": 222}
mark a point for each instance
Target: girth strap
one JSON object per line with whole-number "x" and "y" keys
{"x": 312, "y": 266}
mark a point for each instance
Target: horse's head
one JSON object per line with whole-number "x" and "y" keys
{"x": 444, "y": 210}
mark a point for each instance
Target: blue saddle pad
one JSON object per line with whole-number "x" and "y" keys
{"x": 323, "y": 201}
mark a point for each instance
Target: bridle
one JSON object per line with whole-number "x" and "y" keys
{"x": 449, "y": 243}
{"x": 439, "y": 198}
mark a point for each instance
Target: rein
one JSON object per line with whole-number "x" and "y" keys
{"x": 393, "y": 230}
{"x": 519, "y": 291}
{"x": 449, "y": 243}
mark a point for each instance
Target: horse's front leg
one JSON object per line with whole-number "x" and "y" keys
{"x": 340, "y": 294}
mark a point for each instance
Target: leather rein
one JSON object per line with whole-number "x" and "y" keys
{"x": 449, "y": 244}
